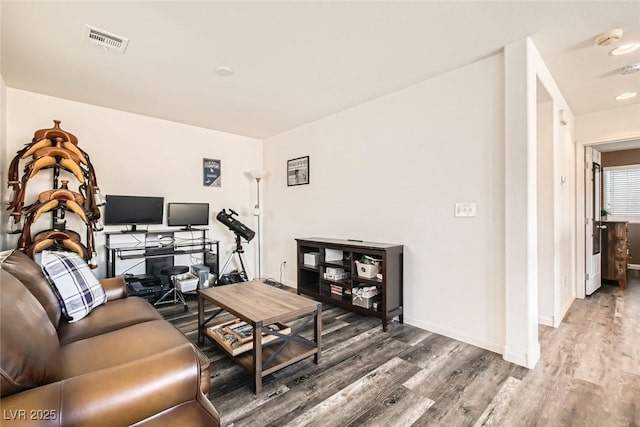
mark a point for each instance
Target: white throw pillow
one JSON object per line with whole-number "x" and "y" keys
{"x": 73, "y": 282}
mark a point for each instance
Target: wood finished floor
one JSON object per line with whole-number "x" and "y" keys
{"x": 588, "y": 374}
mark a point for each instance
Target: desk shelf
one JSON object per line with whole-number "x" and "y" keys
{"x": 142, "y": 248}
{"x": 160, "y": 255}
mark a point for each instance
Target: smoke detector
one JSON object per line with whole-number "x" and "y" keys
{"x": 630, "y": 69}
{"x": 105, "y": 39}
{"x": 608, "y": 37}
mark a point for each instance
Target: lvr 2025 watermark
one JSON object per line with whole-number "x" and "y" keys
{"x": 29, "y": 415}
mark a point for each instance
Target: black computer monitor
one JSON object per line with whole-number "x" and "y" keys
{"x": 133, "y": 210}
{"x": 187, "y": 215}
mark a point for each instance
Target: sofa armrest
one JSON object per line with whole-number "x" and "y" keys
{"x": 121, "y": 395}
{"x": 115, "y": 287}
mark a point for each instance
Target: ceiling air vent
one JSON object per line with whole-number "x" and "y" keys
{"x": 105, "y": 39}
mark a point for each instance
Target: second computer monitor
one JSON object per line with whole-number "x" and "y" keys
{"x": 187, "y": 215}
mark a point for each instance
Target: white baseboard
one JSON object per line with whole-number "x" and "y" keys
{"x": 555, "y": 321}
{"x": 565, "y": 309}
{"x": 633, "y": 266}
{"x": 528, "y": 360}
{"x": 545, "y": 320}
{"x": 496, "y": 348}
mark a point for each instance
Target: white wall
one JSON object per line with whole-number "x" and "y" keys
{"x": 138, "y": 155}
{"x": 564, "y": 185}
{"x": 564, "y": 195}
{"x": 391, "y": 170}
{"x": 546, "y": 270}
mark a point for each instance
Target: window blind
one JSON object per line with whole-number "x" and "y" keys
{"x": 622, "y": 190}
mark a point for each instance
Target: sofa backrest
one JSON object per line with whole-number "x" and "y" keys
{"x": 30, "y": 274}
{"x": 30, "y": 355}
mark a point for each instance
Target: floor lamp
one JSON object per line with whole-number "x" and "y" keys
{"x": 258, "y": 175}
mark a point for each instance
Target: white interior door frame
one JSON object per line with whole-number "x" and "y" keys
{"x": 581, "y": 267}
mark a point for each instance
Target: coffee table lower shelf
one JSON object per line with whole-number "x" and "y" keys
{"x": 218, "y": 332}
{"x": 291, "y": 354}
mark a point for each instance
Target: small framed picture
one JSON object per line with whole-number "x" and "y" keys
{"x": 211, "y": 173}
{"x": 298, "y": 171}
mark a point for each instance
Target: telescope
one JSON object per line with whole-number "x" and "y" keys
{"x": 241, "y": 231}
{"x": 234, "y": 225}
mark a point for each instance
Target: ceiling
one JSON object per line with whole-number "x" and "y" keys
{"x": 296, "y": 62}
{"x": 630, "y": 144}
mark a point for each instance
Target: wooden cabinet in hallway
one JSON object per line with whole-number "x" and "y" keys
{"x": 615, "y": 252}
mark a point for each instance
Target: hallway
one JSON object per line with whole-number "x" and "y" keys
{"x": 589, "y": 371}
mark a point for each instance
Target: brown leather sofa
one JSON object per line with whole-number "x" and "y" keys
{"x": 121, "y": 365}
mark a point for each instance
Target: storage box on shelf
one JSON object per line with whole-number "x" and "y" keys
{"x": 186, "y": 282}
{"x": 365, "y": 296}
{"x": 311, "y": 259}
{"x": 367, "y": 270}
{"x": 331, "y": 273}
{"x": 365, "y": 291}
{"x": 338, "y": 274}
{"x": 366, "y": 302}
{"x": 336, "y": 277}
{"x": 333, "y": 255}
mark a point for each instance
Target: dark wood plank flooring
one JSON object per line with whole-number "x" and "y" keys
{"x": 588, "y": 374}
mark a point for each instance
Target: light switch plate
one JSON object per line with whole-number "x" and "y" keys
{"x": 465, "y": 209}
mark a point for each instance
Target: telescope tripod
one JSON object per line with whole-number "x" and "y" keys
{"x": 238, "y": 250}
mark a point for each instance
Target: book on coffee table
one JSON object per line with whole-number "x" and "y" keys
{"x": 242, "y": 330}
{"x": 236, "y": 336}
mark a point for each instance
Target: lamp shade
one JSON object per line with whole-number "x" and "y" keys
{"x": 258, "y": 173}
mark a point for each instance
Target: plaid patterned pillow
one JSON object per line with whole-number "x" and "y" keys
{"x": 76, "y": 287}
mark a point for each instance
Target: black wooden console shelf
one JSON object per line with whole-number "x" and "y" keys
{"x": 312, "y": 281}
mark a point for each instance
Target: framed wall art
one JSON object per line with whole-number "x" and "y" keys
{"x": 298, "y": 171}
{"x": 211, "y": 173}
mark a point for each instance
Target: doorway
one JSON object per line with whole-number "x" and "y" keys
{"x": 608, "y": 153}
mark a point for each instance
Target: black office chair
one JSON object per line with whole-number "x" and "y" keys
{"x": 176, "y": 294}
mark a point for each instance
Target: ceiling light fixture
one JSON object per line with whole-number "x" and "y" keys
{"x": 625, "y": 48}
{"x": 224, "y": 71}
{"x": 608, "y": 37}
{"x": 630, "y": 69}
{"x": 626, "y": 95}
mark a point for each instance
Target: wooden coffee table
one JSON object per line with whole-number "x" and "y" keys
{"x": 261, "y": 305}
